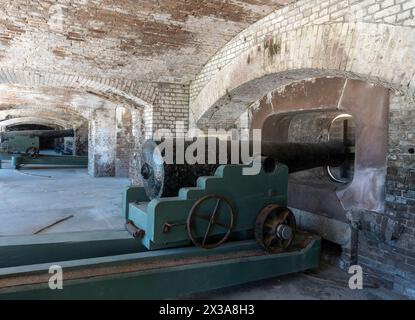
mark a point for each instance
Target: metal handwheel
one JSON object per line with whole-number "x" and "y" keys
{"x": 275, "y": 227}
{"x": 215, "y": 219}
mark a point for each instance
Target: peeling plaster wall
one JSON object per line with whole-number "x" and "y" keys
{"x": 102, "y": 144}
{"x": 139, "y": 134}
{"x": 80, "y": 147}
{"x": 125, "y": 141}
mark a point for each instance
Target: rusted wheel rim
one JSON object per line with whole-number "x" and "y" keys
{"x": 33, "y": 152}
{"x": 213, "y": 220}
{"x": 275, "y": 227}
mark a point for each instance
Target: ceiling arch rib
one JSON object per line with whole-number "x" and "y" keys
{"x": 35, "y": 120}
{"x": 69, "y": 118}
{"x": 331, "y": 53}
{"x": 131, "y": 93}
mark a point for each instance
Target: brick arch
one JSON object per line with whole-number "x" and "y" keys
{"x": 67, "y": 119}
{"x": 46, "y": 121}
{"x": 131, "y": 93}
{"x": 379, "y": 53}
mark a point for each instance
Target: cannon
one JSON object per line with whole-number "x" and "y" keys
{"x": 38, "y": 133}
{"x": 178, "y": 199}
{"x": 163, "y": 179}
{"x": 27, "y": 141}
{"x": 22, "y": 148}
{"x": 236, "y": 227}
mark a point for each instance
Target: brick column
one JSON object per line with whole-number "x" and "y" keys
{"x": 125, "y": 142}
{"x": 102, "y": 144}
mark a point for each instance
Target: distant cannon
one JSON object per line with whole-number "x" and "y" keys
{"x": 37, "y": 133}
{"x": 28, "y": 141}
{"x": 22, "y": 148}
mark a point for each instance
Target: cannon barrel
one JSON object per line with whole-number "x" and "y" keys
{"x": 165, "y": 178}
{"x": 38, "y": 133}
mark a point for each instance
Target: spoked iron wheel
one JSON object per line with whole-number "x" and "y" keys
{"x": 275, "y": 227}
{"x": 222, "y": 216}
{"x": 33, "y": 152}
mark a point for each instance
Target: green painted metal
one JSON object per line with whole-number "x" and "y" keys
{"x": 34, "y": 249}
{"x": 140, "y": 255}
{"x": 19, "y": 144}
{"x": 174, "y": 281}
{"x": 248, "y": 194}
{"x": 131, "y": 195}
{"x": 19, "y": 160}
{"x": 5, "y": 156}
{"x": 14, "y": 149}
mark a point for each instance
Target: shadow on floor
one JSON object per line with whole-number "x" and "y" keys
{"x": 326, "y": 283}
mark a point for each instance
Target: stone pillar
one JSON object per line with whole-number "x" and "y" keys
{"x": 138, "y": 135}
{"x": 80, "y": 145}
{"x": 125, "y": 141}
{"x": 102, "y": 143}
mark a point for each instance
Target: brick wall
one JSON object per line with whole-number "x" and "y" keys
{"x": 171, "y": 105}
{"x": 391, "y": 257}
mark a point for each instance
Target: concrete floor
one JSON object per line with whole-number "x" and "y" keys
{"x": 326, "y": 283}
{"x": 34, "y": 198}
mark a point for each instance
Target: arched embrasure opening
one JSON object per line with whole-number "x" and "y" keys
{"x": 316, "y": 126}
{"x": 343, "y": 128}
{"x": 322, "y": 110}
{"x": 314, "y": 110}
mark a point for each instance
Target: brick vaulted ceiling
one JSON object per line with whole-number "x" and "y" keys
{"x": 150, "y": 40}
